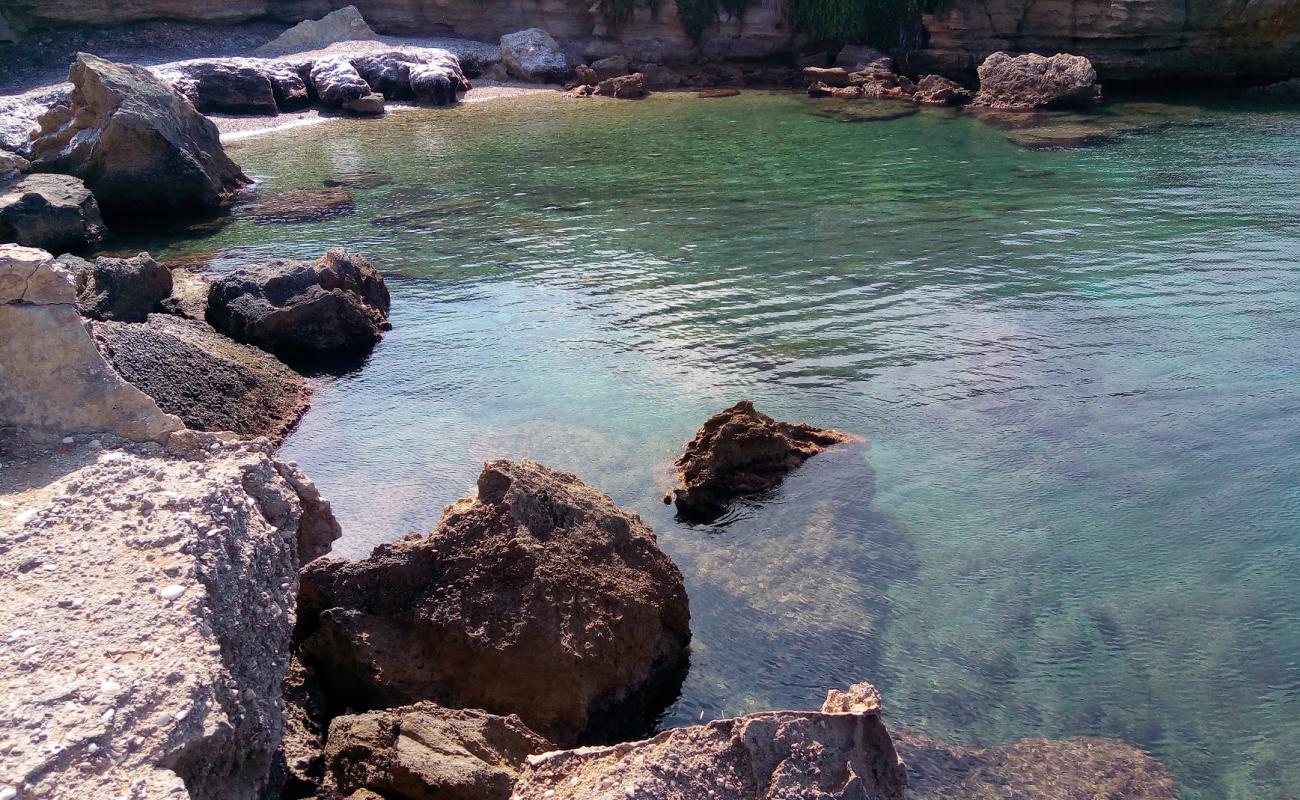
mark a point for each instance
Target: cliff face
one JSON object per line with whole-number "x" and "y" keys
{"x": 1125, "y": 39}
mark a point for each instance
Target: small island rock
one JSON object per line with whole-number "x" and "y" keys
{"x": 1028, "y": 82}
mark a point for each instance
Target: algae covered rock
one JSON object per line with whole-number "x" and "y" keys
{"x": 535, "y": 596}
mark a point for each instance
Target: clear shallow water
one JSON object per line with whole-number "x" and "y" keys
{"x": 1080, "y": 509}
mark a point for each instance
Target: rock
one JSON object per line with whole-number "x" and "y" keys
{"x": 228, "y": 86}
{"x": 344, "y": 25}
{"x": 288, "y": 85}
{"x": 388, "y": 73}
{"x": 53, "y": 212}
{"x": 610, "y": 67}
{"x": 584, "y": 75}
{"x": 1286, "y": 90}
{"x": 834, "y": 77}
{"x": 372, "y": 105}
{"x": 337, "y": 82}
{"x": 337, "y": 306}
{"x": 626, "y": 87}
{"x": 12, "y": 166}
{"x": 716, "y": 93}
{"x": 840, "y": 753}
{"x": 53, "y": 381}
{"x": 138, "y": 144}
{"x": 189, "y": 297}
{"x": 879, "y": 81}
{"x": 430, "y": 76}
{"x": 439, "y": 82}
{"x": 181, "y": 694}
{"x": 426, "y": 752}
{"x": 659, "y": 78}
{"x": 1024, "y": 83}
{"x": 742, "y": 451}
{"x": 856, "y": 57}
{"x": 532, "y": 55}
{"x": 537, "y": 596}
{"x": 122, "y": 289}
{"x": 212, "y": 383}
{"x": 933, "y": 90}
{"x": 299, "y": 205}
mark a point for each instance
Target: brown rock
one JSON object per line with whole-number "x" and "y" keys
{"x": 536, "y": 596}
{"x": 299, "y": 205}
{"x": 626, "y": 87}
{"x": 189, "y": 297}
{"x": 371, "y": 105}
{"x": 742, "y": 451}
{"x": 1024, "y": 83}
{"x": 584, "y": 75}
{"x": 121, "y": 289}
{"x": 933, "y": 90}
{"x": 840, "y": 753}
{"x": 427, "y": 752}
{"x": 53, "y": 212}
{"x": 833, "y": 77}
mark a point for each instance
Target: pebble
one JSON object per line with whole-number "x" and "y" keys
{"x": 24, "y": 516}
{"x": 66, "y": 440}
{"x": 171, "y": 592}
{"x": 8, "y": 793}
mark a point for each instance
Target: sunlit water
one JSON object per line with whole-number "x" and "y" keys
{"x": 1080, "y": 509}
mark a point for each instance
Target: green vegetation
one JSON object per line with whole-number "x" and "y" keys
{"x": 883, "y": 23}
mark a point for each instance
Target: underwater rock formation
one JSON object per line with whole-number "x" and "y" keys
{"x": 536, "y": 596}
{"x": 742, "y": 451}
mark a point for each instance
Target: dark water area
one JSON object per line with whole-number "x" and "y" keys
{"x": 1079, "y": 512}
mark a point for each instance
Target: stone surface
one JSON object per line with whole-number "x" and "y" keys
{"x": 337, "y": 82}
{"x": 148, "y": 625}
{"x": 12, "y": 166}
{"x": 122, "y": 289}
{"x": 189, "y": 297}
{"x": 53, "y": 212}
{"x": 1024, "y": 83}
{"x": 53, "y": 380}
{"x": 438, "y": 81}
{"x": 532, "y": 55}
{"x": 426, "y": 752}
{"x": 933, "y": 90}
{"x": 624, "y": 87}
{"x": 611, "y": 67}
{"x": 371, "y": 105}
{"x": 298, "y": 205}
{"x": 659, "y": 78}
{"x": 742, "y": 451}
{"x": 212, "y": 383}
{"x": 136, "y": 142}
{"x": 840, "y": 753}
{"x": 228, "y": 86}
{"x": 344, "y": 25}
{"x": 537, "y": 596}
{"x": 855, "y": 57}
{"x": 337, "y": 306}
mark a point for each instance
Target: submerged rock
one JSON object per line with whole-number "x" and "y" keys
{"x": 426, "y": 752}
{"x": 337, "y": 306}
{"x": 122, "y": 289}
{"x": 842, "y": 752}
{"x": 537, "y": 596}
{"x": 212, "y": 383}
{"x": 53, "y": 212}
{"x": 742, "y": 451}
{"x": 138, "y": 144}
{"x": 532, "y": 55}
{"x": 1031, "y": 81}
{"x": 298, "y": 205}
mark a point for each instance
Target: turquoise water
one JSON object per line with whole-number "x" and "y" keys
{"x": 1080, "y": 509}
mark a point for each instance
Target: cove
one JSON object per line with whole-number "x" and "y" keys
{"x": 1079, "y": 510}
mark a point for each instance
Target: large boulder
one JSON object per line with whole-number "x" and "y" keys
{"x": 297, "y": 310}
{"x": 337, "y": 83}
{"x": 536, "y": 596}
{"x": 532, "y": 55}
{"x": 53, "y": 381}
{"x": 624, "y": 87}
{"x": 228, "y": 86}
{"x": 426, "y": 752}
{"x": 138, "y": 144}
{"x": 742, "y": 451}
{"x": 53, "y": 212}
{"x": 121, "y": 289}
{"x": 343, "y": 25}
{"x": 1031, "y": 81}
{"x": 211, "y": 382}
{"x": 842, "y": 752}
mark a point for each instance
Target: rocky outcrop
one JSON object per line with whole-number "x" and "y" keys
{"x": 149, "y": 620}
{"x": 428, "y": 76}
{"x": 426, "y": 752}
{"x": 297, "y": 310}
{"x": 137, "y": 143}
{"x": 536, "y": 596}
{"x": 52, "y": 212}
{"x": 212, "y": 383}
{"x": 53, "y": 380}
{"x": 229, "y": 86}
{"x": 742, "y": 451}
{"x": 121, "y": 289}
{"x": 189, "y": 297}
{"x": 344, "y": 25}
{"x": 840, "y": 753}
{"x": 934, "y": 90}
{"x": 533, "y": 55}
{"x": 1028, "y": 82}
{"x": 337, "y": 83}
{"x": 624, "y": 87}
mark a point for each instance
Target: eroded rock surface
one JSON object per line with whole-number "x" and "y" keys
{"x": 1024, "y": 83}
{"x": 136, "y": 142}
{"x": 121, "y": 289}
{"x": 52, "y": 212}
{"x": 426, "y": 752}
{"x": 228, "y": 86}
{"x": 343, "y": 25}
{"x": 532, "y": 55}
{"x": 935, "y": 90}
{"x": 148, "y": 626}
{"x": 339, "y": 306}
{"x": 840, "y": 753}
{"x": 742, "y": 451}
{"x": 53, "y": 380}
{"x": 211, "y": 382}
{"x": 537, "y": 596}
